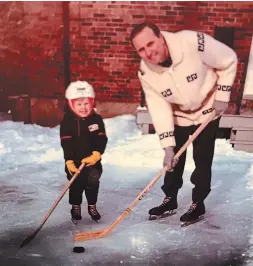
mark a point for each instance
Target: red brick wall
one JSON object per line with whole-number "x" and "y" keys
{"x": 43, "y": 48}
{"x": 101, "y": 52}
{"x": 31, "y": 47}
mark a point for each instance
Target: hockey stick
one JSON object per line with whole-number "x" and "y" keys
{"x": 82, "y": 236}
{"x": 32, "y": 236}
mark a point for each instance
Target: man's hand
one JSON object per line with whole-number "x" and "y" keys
{"x": 169, "y": 160}
{"x": 220, "y": 107}
{"x": 93, "y": 159}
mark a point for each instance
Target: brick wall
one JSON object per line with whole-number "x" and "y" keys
{"x": 43, "y": 48}
{"x": 31, "y": 48}
{"x": 101, "y": 52}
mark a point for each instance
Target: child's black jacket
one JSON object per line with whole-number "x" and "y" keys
{"x": 81, "y": 136}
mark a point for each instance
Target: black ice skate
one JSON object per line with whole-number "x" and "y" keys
{"x": 194, "y": 214}
{"x": 93, "y": 212}
{"x": 76, "y": 213}
{"x": 167, "y": 208}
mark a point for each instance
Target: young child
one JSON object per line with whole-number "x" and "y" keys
{"x": 83, "y": 139}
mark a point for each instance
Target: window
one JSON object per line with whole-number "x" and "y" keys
{"x": 225, "y": 35}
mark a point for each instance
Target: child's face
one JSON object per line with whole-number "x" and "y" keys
{"x": 83, "y": 106}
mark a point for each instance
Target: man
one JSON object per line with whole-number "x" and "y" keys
{"x": 185, "y": 77}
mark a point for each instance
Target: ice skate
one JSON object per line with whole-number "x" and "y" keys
{"x": 194, "y": 214}
{"x": 167, "y": 208}
{"x": 76, "y": 213}
{"x": 93, "y": 212}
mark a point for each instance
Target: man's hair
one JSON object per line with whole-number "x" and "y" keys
{"x": 139, "y": 27}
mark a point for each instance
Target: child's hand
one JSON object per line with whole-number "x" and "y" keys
{"x": 93, "y": 159}
{"x": 71, "y": 167}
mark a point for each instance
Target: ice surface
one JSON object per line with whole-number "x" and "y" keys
{"x": 32, "y": 177}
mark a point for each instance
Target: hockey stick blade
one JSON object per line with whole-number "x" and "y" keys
{"x": 90, "y": 235}
{"x": 29, "y": 238}
{"x": 92, "y": 232}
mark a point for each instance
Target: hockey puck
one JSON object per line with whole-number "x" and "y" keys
{"x": 78, "y": 249}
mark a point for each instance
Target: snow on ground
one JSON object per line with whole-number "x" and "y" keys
{"x": 32, "y": 177}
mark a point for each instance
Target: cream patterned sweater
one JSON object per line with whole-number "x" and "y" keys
{"x": 203, "y": 70}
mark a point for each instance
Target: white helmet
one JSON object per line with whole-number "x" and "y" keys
{"x": 78, "y": 89}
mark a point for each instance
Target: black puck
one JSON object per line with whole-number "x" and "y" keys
{"x": 78, "y": 249}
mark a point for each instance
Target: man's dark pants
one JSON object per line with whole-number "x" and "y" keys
{"x": 203, "y": 151}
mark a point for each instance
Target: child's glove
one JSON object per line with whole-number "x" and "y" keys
{"x": 92, "y": 159}
{"x": 71, "y": 167}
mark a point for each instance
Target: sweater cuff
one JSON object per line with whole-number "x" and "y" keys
{"x": 223, "y": 93}
{"x": 167, "y": 139}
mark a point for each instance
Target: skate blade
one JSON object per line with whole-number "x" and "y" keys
{"x": 75, "y": 222}
{"x": 164, "y": 215}
{"x": 184, "y": 224}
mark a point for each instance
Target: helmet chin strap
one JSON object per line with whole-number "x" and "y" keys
{"x": 73, "y": 110}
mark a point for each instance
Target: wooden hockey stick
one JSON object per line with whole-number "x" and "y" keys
{"x": 32, "y": 236}
{"x": 82, "y": 236}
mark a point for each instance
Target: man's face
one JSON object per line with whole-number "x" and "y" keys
{"x": 150, "y": 47}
